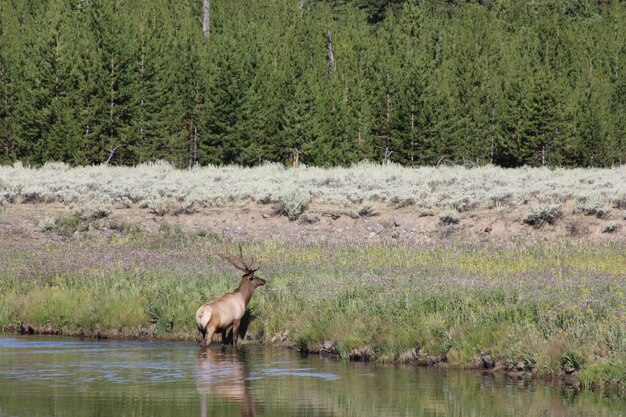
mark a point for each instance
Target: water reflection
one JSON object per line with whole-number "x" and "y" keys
{"x": 65, "y": 377}
{"x": 223, "y": 374}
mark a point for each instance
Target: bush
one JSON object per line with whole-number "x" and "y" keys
{"x": 462, "y": 204}
{"x": 538, "y": 215}
{"x": 170, "y": 206}
{"x": 425, "y": 212}
{"x": 310, "y": 217}
{"x": 93, "y": 208}
{"x": 592, "y": 207}
{"x": 293, "y": 203}
{"x": 164, "y": 189}
{"x": 368, "y": 211}
{"x": 46, "y": 224}
{"x": 68, "y": 225}
{"x": 402, "y": 202}
{"x": 570, "y": 361}
{"x": 610, "y": 227}
{"x": 167, "y": 229}
{"x": 125, "y": 227}
{"x": 574, "y": 228}
{"x": 208, "y": 234}
{"x": 448, "y": 217}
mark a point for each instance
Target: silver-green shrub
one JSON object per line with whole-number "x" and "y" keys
{"x": 171, "y": 206}
{"x": 595, "y": 206}
{"x": 610, "y": 227}
{"x": 368, "y": 211}
{"x": 425, "y": 212}
{"x": 540, "y": 214}
{"x": 358, "y": 185}
{"x": 310, "y": 217}
{"x": 449, "y": 217}
{"x": 46, "y": 224}
{"x": 293, "y": 203}
{"x": 93, "y": 207}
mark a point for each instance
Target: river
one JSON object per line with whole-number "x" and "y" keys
{"x": 53, "y": 376}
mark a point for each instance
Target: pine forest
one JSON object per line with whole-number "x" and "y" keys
{"x": 429, "y": 82}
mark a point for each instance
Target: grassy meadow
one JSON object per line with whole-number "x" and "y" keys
{"x": 549, "y": 308}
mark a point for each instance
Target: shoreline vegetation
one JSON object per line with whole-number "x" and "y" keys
{"x": 552, "y": 310}
{"x": 351, "y": 270}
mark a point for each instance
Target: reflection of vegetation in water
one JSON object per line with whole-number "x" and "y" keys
{"x": 554, "y": 308}
{"x": 166, "y": 380}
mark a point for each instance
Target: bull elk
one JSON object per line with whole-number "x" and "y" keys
{"x": 220, "y": 314}
{"x": 224, "y": 376}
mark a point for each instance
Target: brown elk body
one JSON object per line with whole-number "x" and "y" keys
{"x": 219, "y": 315}
{"x": 224, "y": 375}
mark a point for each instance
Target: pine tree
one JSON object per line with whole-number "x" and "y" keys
{"x": 222, "y": 141}
{"x": 108, "y": 112}
{"x": 544, "y": 122}
{"x": 427, "y": 82}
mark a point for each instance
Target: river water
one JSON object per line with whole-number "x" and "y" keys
{"x": 48, "y": 376}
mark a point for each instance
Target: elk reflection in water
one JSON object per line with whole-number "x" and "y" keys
{"x": 223, "y": 374}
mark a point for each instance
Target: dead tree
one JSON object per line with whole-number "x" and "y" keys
{"x": 294, "y": 158}
{"x": 206, "y": 17}
{"x": 387, "y": 151}
{"x": 329, "y": 55}
{"x": 111, "y": 153}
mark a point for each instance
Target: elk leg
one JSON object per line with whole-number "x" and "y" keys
{"x": 224, "y": 336}
{"x": 209, "y": 336}
{"x": 202, "y": 335}
{"x": 235, "y": 331}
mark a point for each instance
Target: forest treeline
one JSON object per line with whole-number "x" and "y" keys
{"x": 508, "y": 82}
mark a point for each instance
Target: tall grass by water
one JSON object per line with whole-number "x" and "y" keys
{"x": 552, "y": 308}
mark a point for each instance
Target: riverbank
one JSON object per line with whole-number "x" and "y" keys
{"x": 551, "y": 309}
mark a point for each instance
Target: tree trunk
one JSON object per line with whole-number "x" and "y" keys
{"x": 206, "y": 17}
{"x": 112, "y": 95}
{"x": 412, "y": 135}
{"x": 329, "y": 55}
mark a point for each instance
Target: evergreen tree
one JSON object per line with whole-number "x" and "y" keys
{"x": 435, "y": 81}
{"x": 543, "y": 121}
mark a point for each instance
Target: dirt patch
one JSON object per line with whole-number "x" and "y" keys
{"x": 336, "y": 225}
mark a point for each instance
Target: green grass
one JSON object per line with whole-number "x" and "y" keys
{"x": 557, "y": 308}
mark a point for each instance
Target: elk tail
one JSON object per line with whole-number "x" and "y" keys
{"x": 203, "y": 316}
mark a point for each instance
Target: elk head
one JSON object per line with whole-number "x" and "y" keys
{"x": 249, "y": 278}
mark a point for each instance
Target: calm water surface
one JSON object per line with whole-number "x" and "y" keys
{"x": 43, "y": 376}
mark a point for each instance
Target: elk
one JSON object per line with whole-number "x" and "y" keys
{"x": 224, "y": 376}
{"x": 220, "y": 314}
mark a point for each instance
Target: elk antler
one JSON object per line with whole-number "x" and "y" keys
{"x": 238, "y": 261}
